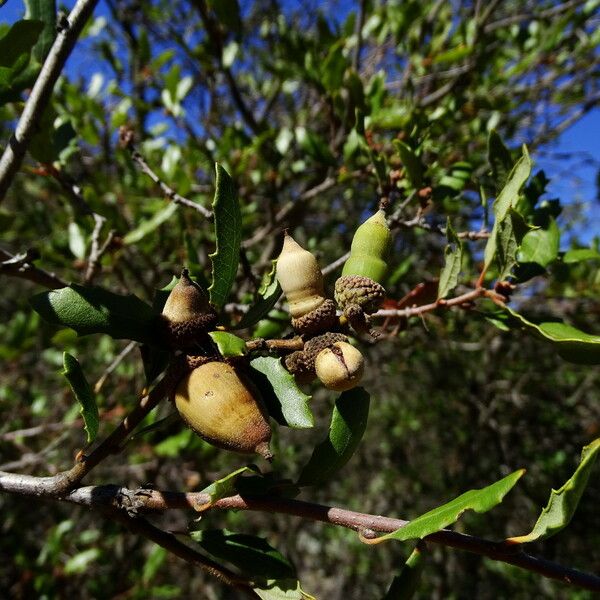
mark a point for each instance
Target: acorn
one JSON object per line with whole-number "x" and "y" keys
{"x": 225, "y": 409}
{"x": 301, "y": 280}
{"x": 340, "y": 367}
{"x": 302, "y": 362}
{"x": 187, "y": 314}
{"x": 359, "y": 291}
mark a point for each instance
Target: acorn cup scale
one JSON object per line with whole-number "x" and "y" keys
{"x": 224, "y": 408}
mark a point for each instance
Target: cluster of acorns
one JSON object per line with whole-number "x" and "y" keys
{"x": 217, "y": 399}
{"x": 327, "y": 354}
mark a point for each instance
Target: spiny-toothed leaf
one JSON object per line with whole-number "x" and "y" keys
{"x": 95, "y": 310}
{"x": 149, "y": 225}
{"x": 348, "y": 424}
{"x": 226, "y": 485}
{"x": 253, "y": 555}
{"x": 228, "y": 234}
{"x": 571, "y": 343}
{"x": 499, "y": 158}
{"x": 453, "y": 257}
{"x": 480, "y": 500}
{"x": 84, "y": 395}
{"x": 268, "y": 295}
{"x": 563, "y": 502}
{"x": 506, "y": 200}
{"x": 405, "y": 584}
{"x": 228, "y": 344}
{"x": 291, "y": 402}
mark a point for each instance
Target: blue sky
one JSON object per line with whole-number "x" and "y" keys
{"x": 572, "y": 180}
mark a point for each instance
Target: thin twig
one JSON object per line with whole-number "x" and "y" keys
{"x": 126, "y": 141}
{"x": 464, "y": 299}
{"x": 69, "y": 31}
{"x": 113, "y": 365}
{"x": 178, "y": 548}
{"x": 97, "y": 251}
{"x": 111, "y": 497}
{"x": 21, "y": 266}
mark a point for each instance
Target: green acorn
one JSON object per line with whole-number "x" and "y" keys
{"x": 359, "y": 290}
{"x": 370, "y": 247}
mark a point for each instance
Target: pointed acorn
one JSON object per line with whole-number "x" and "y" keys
{"x": 187, "y": 314}
{"x": 359, "y": 287}
{"x": 225, "y": 409}
{"x": 301, "y": 280}
{"x": 370, "y": 247}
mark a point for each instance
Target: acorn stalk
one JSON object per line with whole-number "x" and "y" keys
{"x": 225, "y": 409}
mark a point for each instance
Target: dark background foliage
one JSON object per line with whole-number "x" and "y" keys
{"x": 305, "y": 103}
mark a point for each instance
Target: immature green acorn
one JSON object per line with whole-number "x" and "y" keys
{"x": 301, "y": 280}
{"x": 359, "y": 289}
{"x": 340, "y": 367}
{"x": 224, "y": 408}
{"x": 187, "y": 314}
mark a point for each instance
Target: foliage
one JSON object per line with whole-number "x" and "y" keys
{"x": 313, "y": 115}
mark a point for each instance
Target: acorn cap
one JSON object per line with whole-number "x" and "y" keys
{"x": 360, "y": 291}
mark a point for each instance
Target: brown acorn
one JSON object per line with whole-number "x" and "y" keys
{"x": 187, "y": 314}
{"x": 340, "y": 367}
{"x": 225, "y": 409}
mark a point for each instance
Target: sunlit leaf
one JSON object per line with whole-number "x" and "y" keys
{"x": 95, "y": 310}
{"x": 563, "y": 502}
{"x": 225, "y": 486}
{"x": 480, "y": 500}
{"x": 453, "y": 262}
{"x": 228, "y": 344}
{"x": 268, "y": 295}
{"x": 506, "y": 200}
{"x": 571, "y": 343}
{"x": 540, "y": 246}
{"x": 287, "y": 401}
{"x": 150, "y": 225}
{"x": 405, "y": 584}
{"x": 84, "y": 395}
{"x": 228, "y": 233}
